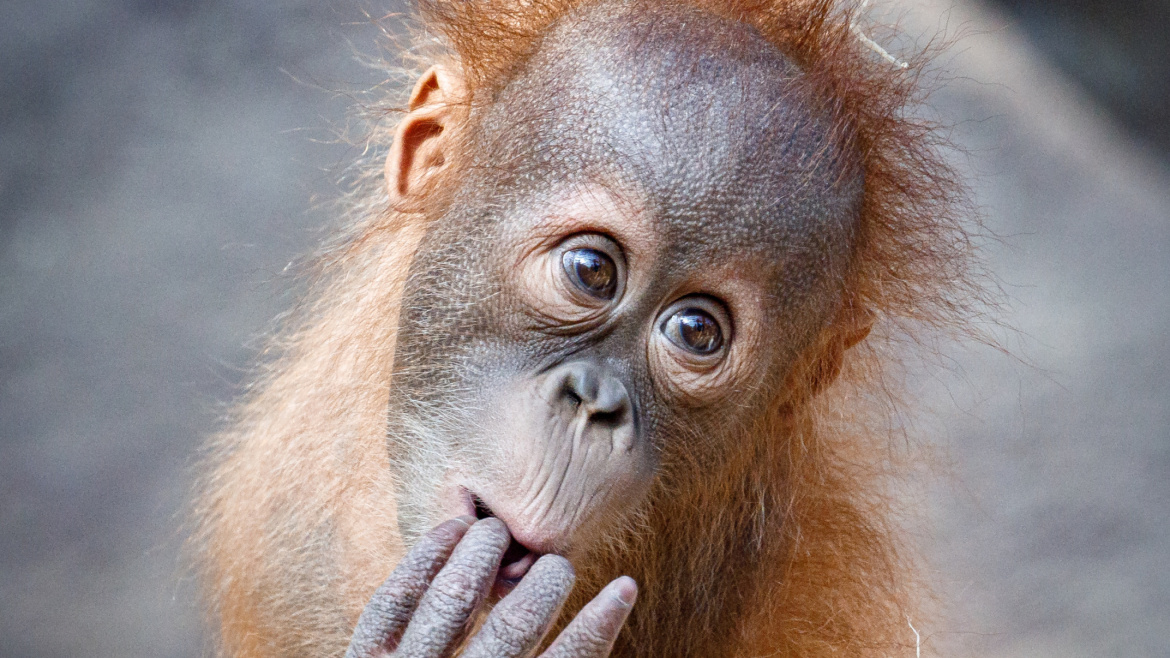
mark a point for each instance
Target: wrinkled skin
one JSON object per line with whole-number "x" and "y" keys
{"x": 653, "y": 224}
{"x": 423, "y": 608}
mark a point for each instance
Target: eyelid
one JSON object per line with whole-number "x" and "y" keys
{"x": 594, "y": 240}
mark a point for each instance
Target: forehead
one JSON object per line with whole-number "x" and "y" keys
{"x": 709, "y": 129}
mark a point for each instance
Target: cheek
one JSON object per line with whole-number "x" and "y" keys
{"x": 454, "y": 337}
{"x": 437, "y": 404}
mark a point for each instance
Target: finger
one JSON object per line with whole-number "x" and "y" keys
{"x": 518, "y": 622}
{"x": 593, "y": 631}
{"x": 456, "y": 592}
{"x": 386, "y": 615}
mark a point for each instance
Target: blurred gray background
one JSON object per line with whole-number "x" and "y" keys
{"x": 158, "y": 166}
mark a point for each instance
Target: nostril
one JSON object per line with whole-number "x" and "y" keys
{"x": 608, "y": 418}
{"x": 579, "y": 385}
{"x": 573, "y": 398}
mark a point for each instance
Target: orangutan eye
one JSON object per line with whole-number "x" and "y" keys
{"x": 694, "y": 330}
{"x": 592, "y": 271}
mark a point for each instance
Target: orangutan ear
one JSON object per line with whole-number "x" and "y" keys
{"x": 855, "y": 326}
{"x": 851, "y": 327}
{"x": 425, "y": 137}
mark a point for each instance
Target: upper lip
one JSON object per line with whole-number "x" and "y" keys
{"x": 517, "y": 557}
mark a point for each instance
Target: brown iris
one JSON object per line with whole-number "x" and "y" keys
{"x": 592, "y": 271}
{"x": 695, "y": 330}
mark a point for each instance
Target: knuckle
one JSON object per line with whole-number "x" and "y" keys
{"x": 461, "y": 577}
{"x": 590, "y": 632}
{"x": 557, "y": 561}
{"x": 518, "y": 622}
{"x": 503, "y": 636}
{"x": 540, "y": 598}
{"x": 394, "y": 593}
{"x": 504, "y": 640}
{"x": 594, "y": 638}
{"x": 557, "y": 564}
{"x": 452, "y": 596}
{"x": 431, "y": 545}
{"x": 554, "y": 572}
{"x": 383, "y": 612}
{"x": 417, "y": 560}
{"x": 479, "y": 552}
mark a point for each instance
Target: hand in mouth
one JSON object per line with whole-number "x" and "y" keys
{"x": 517, "y": 559}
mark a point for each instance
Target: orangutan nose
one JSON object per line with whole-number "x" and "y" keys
{"x": 598, "y": 396}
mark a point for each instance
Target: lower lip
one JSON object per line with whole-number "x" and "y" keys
{"x": 514, "y": 566}
{"x": 509, "y": 575}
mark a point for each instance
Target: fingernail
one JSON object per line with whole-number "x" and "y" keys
{"x": 625, "y": 590}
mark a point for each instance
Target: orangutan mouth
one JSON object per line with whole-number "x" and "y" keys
{"x": 517, "y": 559}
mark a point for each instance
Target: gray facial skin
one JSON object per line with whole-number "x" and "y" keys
{"x": 683, "y": 148}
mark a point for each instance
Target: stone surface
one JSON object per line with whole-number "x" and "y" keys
{"x": 1052, "y": 535}
{"x": 155, "y": 179}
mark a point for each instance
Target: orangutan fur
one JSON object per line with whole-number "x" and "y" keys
{"x": 296, "y": 514}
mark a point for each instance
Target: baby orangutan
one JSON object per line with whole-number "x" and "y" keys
{"x": 626, "y": 246}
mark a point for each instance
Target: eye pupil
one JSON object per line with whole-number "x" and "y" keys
{"x": 694, "y": 329}
{"x": 592, "y": 271}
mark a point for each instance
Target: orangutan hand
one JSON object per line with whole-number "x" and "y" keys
{"x": 424, "y": 607}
